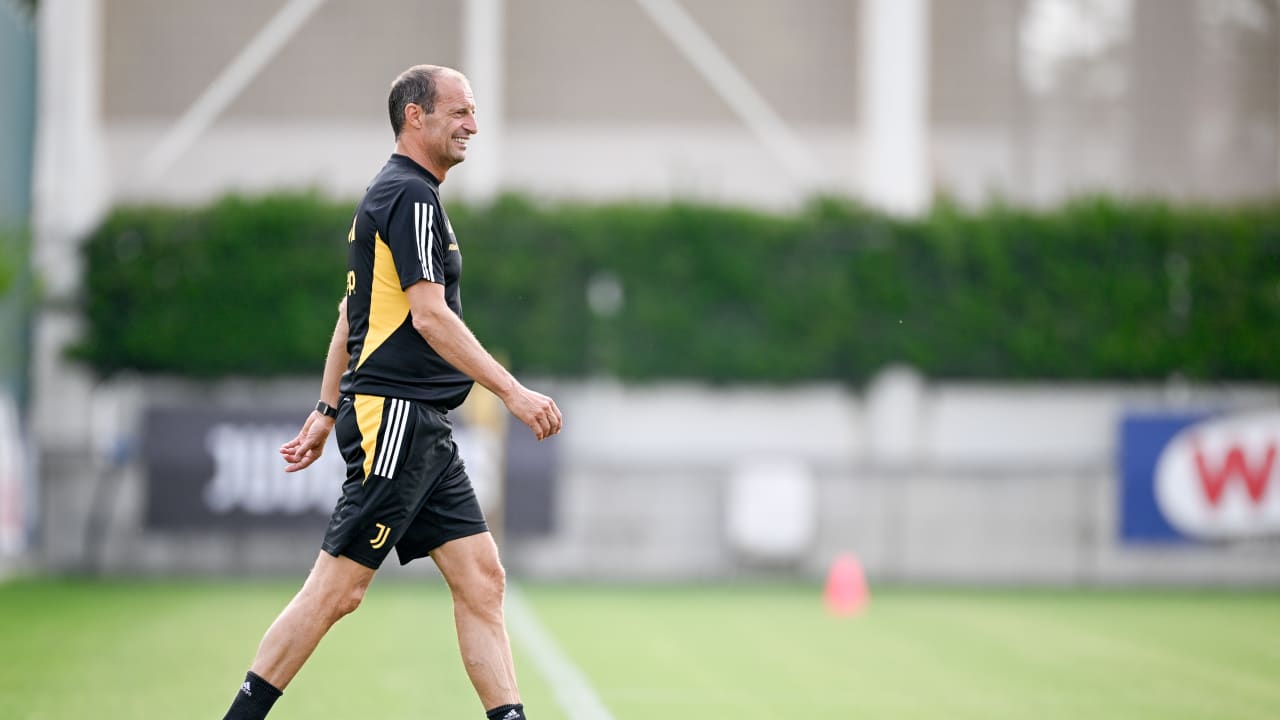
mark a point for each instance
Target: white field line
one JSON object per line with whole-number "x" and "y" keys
{"x": 572, "y": 691}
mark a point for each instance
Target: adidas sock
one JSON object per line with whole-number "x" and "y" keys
{"x": 254, "y": 699}
{"x": 507, "y": 712}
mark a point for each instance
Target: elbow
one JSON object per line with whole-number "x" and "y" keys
{"x": 426, "y": 324}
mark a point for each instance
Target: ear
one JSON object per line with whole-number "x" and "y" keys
{"x": 413, "y": 116}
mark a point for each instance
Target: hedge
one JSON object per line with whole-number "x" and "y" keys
{"x": 14, "y": 249}
{"x": 1098, "y": 289}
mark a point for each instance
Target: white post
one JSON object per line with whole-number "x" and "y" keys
{"x": 70, "y": 184}
{"x": 482, "y": 64}
{"x": 895, "y": 87}
{"x": 70, "y": 195}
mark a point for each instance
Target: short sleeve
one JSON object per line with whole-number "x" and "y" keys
{"x": 417, "y": 236}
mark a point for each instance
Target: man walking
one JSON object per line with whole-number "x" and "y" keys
{"x": 408, "y": 359}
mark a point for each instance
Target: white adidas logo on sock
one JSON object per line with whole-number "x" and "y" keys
{"x": 245, "y": 689}
{"x": 511, "y": 714}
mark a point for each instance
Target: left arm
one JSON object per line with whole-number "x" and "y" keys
{"x": 307, "y": 447}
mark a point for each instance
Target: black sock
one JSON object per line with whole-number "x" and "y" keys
{"x": 507, "y": 712}
{"x": 254, "y": 699}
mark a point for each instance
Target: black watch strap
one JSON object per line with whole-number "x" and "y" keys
{"x": 326, "y": 409}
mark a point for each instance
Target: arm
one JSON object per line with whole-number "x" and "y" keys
{"x": 452, "y": 339}
{"x": 337, "y": 359}
{"x": 307, "y": 447}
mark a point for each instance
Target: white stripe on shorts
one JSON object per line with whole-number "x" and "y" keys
{"x": 389, "y": 443}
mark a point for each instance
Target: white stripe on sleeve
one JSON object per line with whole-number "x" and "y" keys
{"x": 431, "y": 213}
{"x": 417, "y": 234}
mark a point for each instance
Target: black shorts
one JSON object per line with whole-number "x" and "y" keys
{"x": 406, "y": 486}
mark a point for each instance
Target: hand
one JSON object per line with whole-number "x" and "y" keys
{"x": 536, "y": 410}
{"x": 309, "y": 445}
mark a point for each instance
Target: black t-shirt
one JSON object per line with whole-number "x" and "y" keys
{"x": 400, "y": 236}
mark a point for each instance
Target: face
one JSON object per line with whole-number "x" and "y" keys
{"x": 447, "y": 130}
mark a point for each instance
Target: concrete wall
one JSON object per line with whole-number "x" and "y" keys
{"x": 925, "y": 482}
{"x": 1026, "y": 100}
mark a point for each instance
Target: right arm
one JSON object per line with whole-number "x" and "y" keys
{"x": 417, "y": 235}
{"x": 450, "y": 337}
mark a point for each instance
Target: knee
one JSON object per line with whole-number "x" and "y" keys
{"x": 483, "y": 591}
{"x": 335, "y": 602}
{"x": 348, "y": 600}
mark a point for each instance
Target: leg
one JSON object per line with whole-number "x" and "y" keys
{"x": 334, "y": 588}
{"x": 470, "y": 565}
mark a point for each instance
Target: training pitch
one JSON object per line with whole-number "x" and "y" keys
{"x": 171, "y": 649}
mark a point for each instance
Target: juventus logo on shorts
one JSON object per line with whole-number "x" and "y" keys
{"x": 381, "y": 538}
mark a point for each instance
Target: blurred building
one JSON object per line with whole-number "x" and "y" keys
{"x": 759, "y": 101}
{"x": 754, "y": 102}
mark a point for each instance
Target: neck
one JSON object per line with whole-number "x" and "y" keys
{"x": 418, "y": 155}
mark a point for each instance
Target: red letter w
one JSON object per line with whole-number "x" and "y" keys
{"x": 1214, "y": 481}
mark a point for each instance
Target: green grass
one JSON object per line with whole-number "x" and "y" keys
{"x": 178, "y": 650}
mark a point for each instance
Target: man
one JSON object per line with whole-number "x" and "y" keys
{"x": 409, "y": 358}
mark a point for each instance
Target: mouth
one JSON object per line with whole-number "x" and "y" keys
{"x": 461, "y": 141}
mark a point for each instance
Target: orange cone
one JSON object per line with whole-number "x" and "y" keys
{"x": 846, "y": 593}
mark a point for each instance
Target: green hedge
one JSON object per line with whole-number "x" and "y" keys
{"x": 7, "y": 271}
{"x": 1099, "y": 289}
{"x": 245, "y": 286}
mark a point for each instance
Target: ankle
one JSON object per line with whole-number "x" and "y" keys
{"x": 507, "y": 712}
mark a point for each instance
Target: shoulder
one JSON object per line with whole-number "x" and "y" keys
{"x": 395, "y": 180}
{"x": 409, "y": 187}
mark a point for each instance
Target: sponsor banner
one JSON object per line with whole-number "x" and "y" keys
{"x": 221, "y": 469}
{"x": 211, "y": 468}
{"x": 1199, "y": 477}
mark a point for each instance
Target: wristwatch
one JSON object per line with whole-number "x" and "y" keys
{"x": 326, "y": 409}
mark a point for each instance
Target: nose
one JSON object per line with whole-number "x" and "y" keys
{"x": 470, "y": 125}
